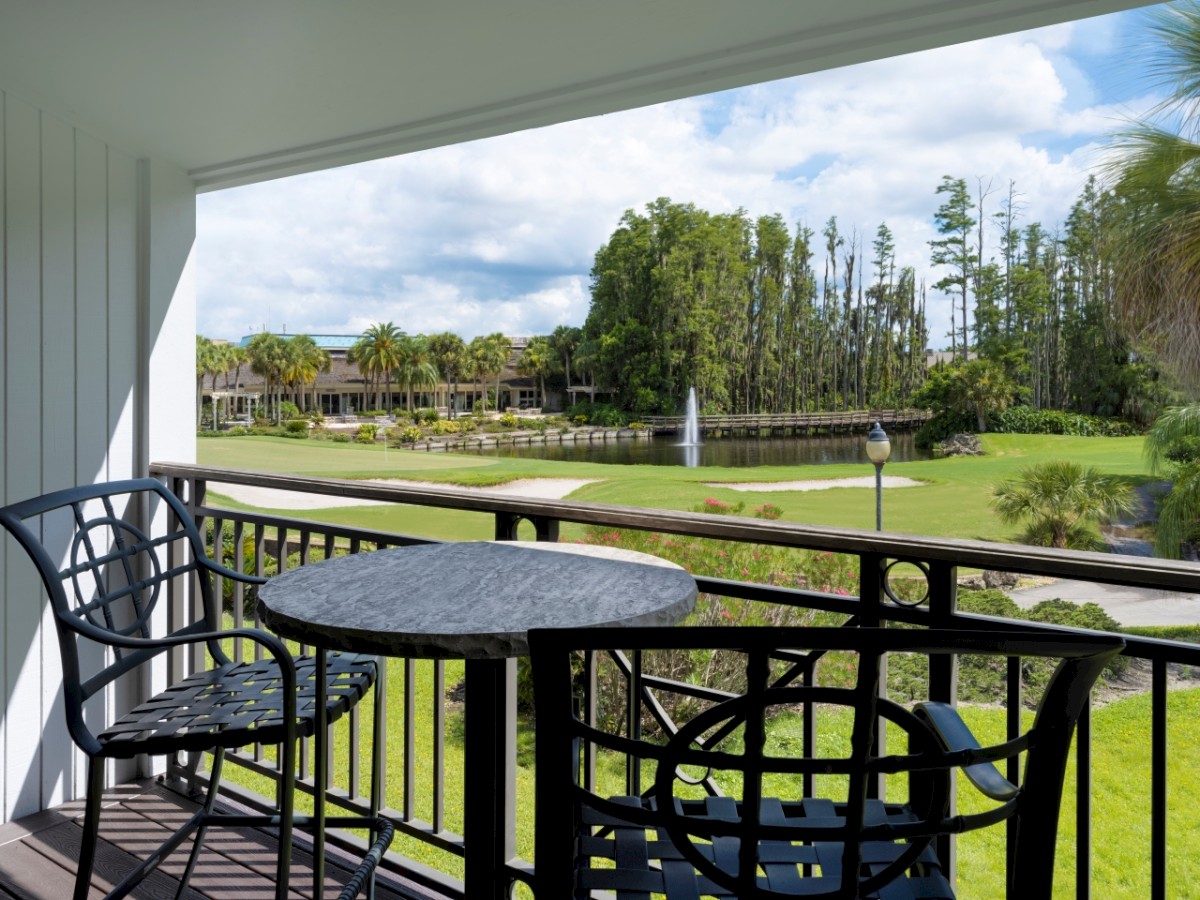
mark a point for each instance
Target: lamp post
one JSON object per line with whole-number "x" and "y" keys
{"x": 879, "y": 448}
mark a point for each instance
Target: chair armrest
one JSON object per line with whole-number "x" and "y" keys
{"x": 217, "y": 569}
{"x": 954, "y": 735}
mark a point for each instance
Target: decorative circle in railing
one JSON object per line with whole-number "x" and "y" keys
{"x": 891, "y": 593}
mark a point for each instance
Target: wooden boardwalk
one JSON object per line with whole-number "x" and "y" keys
{"x": 38, "y": 855}
{"x": 796, "y": 423}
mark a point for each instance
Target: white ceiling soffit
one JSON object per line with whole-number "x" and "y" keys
{"x": 238, "y": 91}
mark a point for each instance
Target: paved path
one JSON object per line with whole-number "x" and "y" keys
{"x": 1128, "y": 605}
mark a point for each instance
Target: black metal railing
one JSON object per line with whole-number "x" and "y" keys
{"x": 285, "y": 541}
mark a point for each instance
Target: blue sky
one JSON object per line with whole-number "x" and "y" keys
{"x": 500, "y": 234}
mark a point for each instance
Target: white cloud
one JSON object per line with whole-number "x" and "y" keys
{"x": 500, "y": 234}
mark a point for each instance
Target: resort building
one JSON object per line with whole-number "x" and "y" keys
{"x": 344, "y": 391}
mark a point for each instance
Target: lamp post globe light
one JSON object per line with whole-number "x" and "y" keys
{"x": 879, "y": 448}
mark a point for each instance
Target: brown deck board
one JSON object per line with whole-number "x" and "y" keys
{"x": 38, "y": 854}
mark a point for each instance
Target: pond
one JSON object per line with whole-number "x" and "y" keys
{"x": 734, "y": 452}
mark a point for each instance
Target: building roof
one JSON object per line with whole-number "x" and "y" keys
{"x": 324, "y": 341}
{"x": 234, "y": 93}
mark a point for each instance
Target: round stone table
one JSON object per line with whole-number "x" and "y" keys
{"x": 474, "y": 601}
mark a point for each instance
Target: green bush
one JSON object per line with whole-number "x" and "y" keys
{"x": 426, "y": 416}
{"x": 237, "y": 431}
{"x": 1184, "y": 450}
{"x": 603, "y": 414}
{"x": 297, "y": 426}
{"x": 1027, "y": 420}
{"x": 366, "y": 434}
{"x": 409, "y": 434}
{"x": 508, "y": 420}
{"x": 944, "y": 424}
{"x": 444, "y": 426}
{"x": 340, "y": 437}
{"x": 289, "y": 410}
{"x": 372, "y": 413}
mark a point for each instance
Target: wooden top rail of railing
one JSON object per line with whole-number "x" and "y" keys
{"x": 1106, "y": 568}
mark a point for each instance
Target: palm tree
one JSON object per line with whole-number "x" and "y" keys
{"x": 566, "y": 340}
{"x": 496, "y": 350}
{"x": 303, "y": 362}
{"x": 448, "y": 353}
{"x": 981, "y": 387}
{"x": 416, "y": 367}
{"x": 217, "y": 364}
{"x": 1179, "y": 514}
{"x": 1059, "y": 497}
{"x": 204, "y": 361}
{"x": 1155, "y": 249}
{"x": 377, "y": 353}
{"x": 1155, "y": 170}
{"x": 267, "y": 357}
{"x": 476, "y": 366}
{"x": 538, "y": 360}
{"x": 236, "y": 358}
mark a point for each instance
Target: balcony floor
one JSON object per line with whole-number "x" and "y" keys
{"x": 38, "y": 854}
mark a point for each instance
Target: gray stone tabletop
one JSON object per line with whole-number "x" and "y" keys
{"x": 472, "y": 600}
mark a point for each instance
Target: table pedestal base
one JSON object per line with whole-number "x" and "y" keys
{"x": 490, "y": 754}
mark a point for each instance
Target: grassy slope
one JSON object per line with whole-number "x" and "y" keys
{"x": 954, "y": 500}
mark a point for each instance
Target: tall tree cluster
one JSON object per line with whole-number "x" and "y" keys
{"x": 756, "y": 317}
{"x": 763, "y": 319}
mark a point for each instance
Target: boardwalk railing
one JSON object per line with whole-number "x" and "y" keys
{"x": 419, "y": 802}
{"x": 798, "y": 423}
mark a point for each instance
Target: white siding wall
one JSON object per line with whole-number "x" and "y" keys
{"x": 97, "y": 324}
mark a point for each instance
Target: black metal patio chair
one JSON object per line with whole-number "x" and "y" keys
{"x": 744, "y": 801}
{"x": 106, "y": 578}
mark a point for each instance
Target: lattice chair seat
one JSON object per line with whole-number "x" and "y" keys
{"x": 647, "y": 861}
{"x": 106, "y": 572}
{"x": 242, "y": 703}
{"x": 729, "y": 804}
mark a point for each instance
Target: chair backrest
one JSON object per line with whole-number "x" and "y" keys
{"x": 105, "y": 575}
{"x": 733, "y": 747}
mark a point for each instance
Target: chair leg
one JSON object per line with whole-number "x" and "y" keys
{"x": 287, "y": 784}
{"x": 214, "y": 783}
{"x": 91, "y": 828}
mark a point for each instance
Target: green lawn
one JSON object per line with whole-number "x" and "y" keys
{"x": 953, "y": 500}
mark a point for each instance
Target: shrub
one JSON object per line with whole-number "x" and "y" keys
{"x": 237, "y": 431}
{"x": 296, "y": 426}
{"x": 1027, "y": 420}
{"x": 427, "y": 415}
{"x": 340, "y": 437}
{"x": 407, "y": 435}
{"x": 289, "y": 410}
{"x": 366, "y": 434}
{"x": 943, "y": 425}
{"x": 444, "y": 426}
{"x": 1184, "y": 450}
{"x": 372, "y": 413}
{"x": 768, "y": 511}
{"x": 602, "y": 414}
{"x": 508, "y": 420}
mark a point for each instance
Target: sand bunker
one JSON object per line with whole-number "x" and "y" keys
{"x": 270, "y": 498}
{"x": 866, "y": 481}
